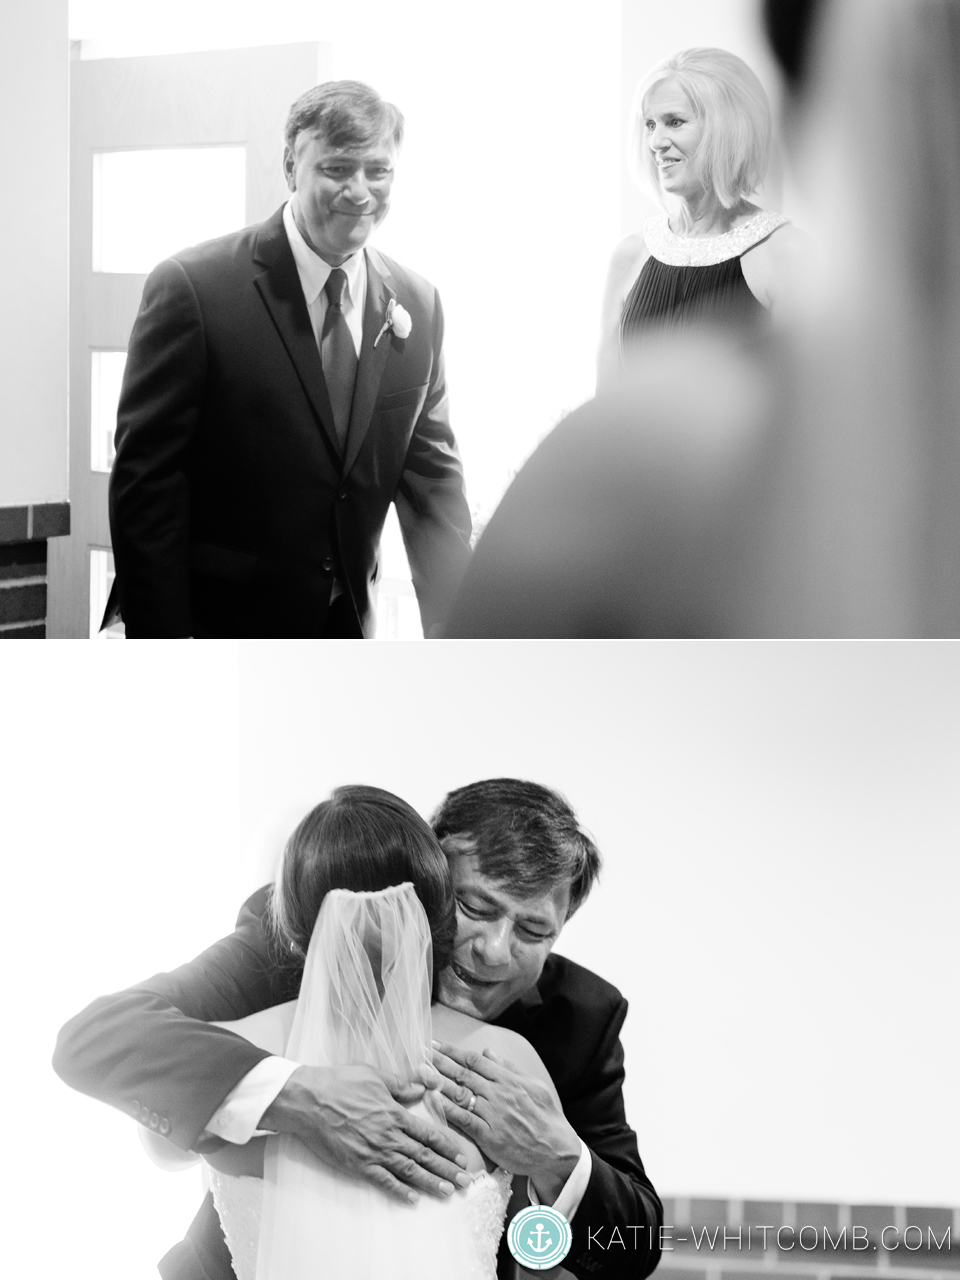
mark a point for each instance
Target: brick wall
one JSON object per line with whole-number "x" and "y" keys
{"x": 23, "y": 567}
{"x": 726, "y": 1240}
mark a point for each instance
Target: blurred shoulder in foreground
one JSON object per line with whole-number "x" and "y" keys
{"x": 632, "y": 517}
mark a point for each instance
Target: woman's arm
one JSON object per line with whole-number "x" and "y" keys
{"x": 628, "y": 258}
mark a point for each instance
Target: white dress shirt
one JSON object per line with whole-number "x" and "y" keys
{"x": 237, "y": 1117}
{"x": 572, "y": 1191}
{"x": 314, "y": 273}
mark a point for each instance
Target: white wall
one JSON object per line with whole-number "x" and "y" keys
{"x": 34, "y": 232}
{"x": 780, "y": 827}
{"x": 119, "y": 795}
{"x": 505, "y": 199}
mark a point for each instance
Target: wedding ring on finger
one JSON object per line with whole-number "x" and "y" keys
{"x": 472, "y": 1103}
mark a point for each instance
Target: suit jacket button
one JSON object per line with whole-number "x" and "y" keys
{"x": 145, "y": 1114}
{"x": 135, "y": 1107}
{"x": 342, "y": 494}
{"x": 154, "y": 1120}
{"x": 328, "y": 564}
{"x": 164, "y": 1125}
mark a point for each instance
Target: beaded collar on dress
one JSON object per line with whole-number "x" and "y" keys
{"x": 704, "y": 251}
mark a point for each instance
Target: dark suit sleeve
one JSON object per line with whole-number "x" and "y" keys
{"x": 431, "y": 502}
{"x": 149, "y": 486}
{"x": 149, "y": 1051}
{"x": 619, "y": 1194}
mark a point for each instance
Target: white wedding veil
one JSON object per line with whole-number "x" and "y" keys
{"x": 365, "y": 998}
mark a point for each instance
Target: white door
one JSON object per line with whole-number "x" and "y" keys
{"x": 165, "y": 152}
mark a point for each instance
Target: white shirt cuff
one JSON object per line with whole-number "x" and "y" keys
{"x": 572, "y": 1191}
{"x": 237, "y": 1117}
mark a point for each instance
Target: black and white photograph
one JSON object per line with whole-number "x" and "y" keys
{"x": 546, "y": 320}
{"x": 694, "y": 906}
{"x": 600, "y": 359}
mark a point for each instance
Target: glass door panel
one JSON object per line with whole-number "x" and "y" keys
{"x": 102, "y": 573}
{"x": 149, "y": 204}
{"x": 165, "y": 152}
{"x": 106, "y": 376}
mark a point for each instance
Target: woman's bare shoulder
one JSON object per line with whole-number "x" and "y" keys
{"x": 774, "y": 268}
{"x": 470, "y": 1033}
{"x": 785, "y": 245}
{"x": 789, "y": 241}
{"x": 512, "y": 1046}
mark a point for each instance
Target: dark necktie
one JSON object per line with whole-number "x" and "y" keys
{"x": 338, "y": 355}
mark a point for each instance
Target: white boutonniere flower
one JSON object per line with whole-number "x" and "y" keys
{"x": 398, "y": 319}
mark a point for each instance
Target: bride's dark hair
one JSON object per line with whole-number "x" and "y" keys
{"x": 362, "y": 839}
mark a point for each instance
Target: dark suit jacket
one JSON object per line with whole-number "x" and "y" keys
{"x": 149, "y": 1052}
{"x": 232, "y": 508}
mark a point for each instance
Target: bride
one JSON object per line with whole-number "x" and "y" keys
{"x": 363, "y": 893}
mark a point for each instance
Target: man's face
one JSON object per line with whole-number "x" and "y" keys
{"x": 342, "y": 193}
{"x": 502, "y": 941}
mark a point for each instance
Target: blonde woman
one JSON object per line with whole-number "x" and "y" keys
{"x": 701, "y": 138}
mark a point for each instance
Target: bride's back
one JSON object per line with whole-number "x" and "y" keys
{"x": 475, "y": 1216}
{"x": 270, "y": 1029}
{"x": 363, "y": 901}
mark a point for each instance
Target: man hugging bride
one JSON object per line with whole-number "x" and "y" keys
{"x": 385, "y": 1050}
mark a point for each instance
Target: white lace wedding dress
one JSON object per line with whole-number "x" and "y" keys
{"x": 481, "y": 1212}
{"x": 365, "y": 997}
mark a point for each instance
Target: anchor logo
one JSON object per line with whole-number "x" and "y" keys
{"x": 539, "y": 1237}
{"x": 538, "y": 1247}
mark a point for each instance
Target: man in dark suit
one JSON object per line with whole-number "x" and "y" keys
{"x": 520, "y": 865}
{"x": 283, "y": 386}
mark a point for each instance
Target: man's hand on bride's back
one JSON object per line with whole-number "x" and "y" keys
{"x": 352, "y": 1119}
{"x": 514, "y": 1118}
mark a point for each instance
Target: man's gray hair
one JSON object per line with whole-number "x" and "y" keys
{"x": 526, "y": 836}
{"x": 347, "y": 113}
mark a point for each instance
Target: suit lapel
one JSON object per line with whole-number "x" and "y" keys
{"x": 279, "y": 286}
{"x": 373, "y": 360}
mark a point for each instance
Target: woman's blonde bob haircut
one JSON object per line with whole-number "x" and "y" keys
{"x": 730, "y": 103}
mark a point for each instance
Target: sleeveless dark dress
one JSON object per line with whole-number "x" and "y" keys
{"x": 686, "y": 282}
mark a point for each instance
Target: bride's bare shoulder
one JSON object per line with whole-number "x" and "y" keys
{"x": 470, "y": 1033}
